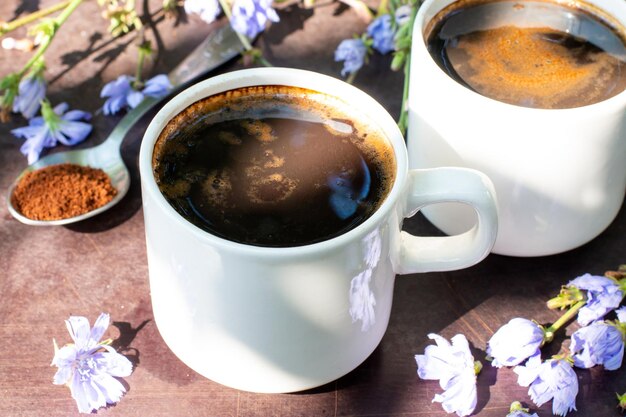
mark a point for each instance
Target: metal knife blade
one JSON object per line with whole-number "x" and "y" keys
{"x": 221, "y": 45}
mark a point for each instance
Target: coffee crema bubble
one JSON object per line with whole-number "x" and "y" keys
{"x": 273, "y": 166}
{"x": 531, "y": 53}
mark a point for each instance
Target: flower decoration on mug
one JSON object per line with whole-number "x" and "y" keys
{"x": 90, "y": 367}
{"x": 362, "y": 298}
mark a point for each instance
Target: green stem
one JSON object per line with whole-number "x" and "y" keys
{"x": 137, "y": 83}
{"x": 562, "y": 320}
{"x": 382, "y": 8}
{"x": 244, "y": 39}
{"x": 7, "y": 27}
{"x": 403, "y": 121}
{"x": 140, "y": 61}
{"x": 58, "y": 21}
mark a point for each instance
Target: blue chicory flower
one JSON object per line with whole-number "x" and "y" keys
{"x": 515, "y": 342}
{"x": 156, "y": 87}
{"x": 117, "y": 92}
{"x": 382, "y": 34}
{"x": 121, "y": 94}
{"x": 453, "y": 365}
{"x": 600, "y": 343}
{"x": 603, "y": 295}
{"x": 55, "y": 125}
{"x": 208, "y": 10}
{"x": 352, "y": 52}
{"x": 403, "y": 14}
{"x": 553, "y": 379}
{"x": 31, "y": 91}
{"x": 249, "y": 17}
{"x": 90, "y": 367}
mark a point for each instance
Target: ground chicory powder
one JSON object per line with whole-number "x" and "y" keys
{"x": 62, "y": 191}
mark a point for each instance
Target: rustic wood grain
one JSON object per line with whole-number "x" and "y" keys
{"x": 49, "y": 273}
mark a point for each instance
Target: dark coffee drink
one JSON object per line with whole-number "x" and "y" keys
{"x": 273, "y": 166}
{"x": 542, "y": 54}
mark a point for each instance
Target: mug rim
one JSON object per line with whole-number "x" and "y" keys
{"x": 614, "y": 103}
{"x": 289, "y": 77}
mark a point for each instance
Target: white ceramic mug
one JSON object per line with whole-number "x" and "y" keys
{"x": 287, "y": 319}
{"x": 559, "y": 174}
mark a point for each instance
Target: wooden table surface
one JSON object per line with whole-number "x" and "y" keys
{"x": 99, "y": 265}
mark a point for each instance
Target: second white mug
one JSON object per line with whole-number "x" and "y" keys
{"x": 559, "y": 174}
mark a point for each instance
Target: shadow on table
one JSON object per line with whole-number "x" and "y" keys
{"x": 474, "y": 301}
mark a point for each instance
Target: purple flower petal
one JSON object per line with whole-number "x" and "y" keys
{"x": 382, "y": 34}
{"x": 208, "y": 10}
{"x": 100, "y": 326}
{"x": 91, "y": 368}
{"x": 528, "y": 373}
{"x": 63, "y": 359}
{"x": 39, "y": 135}
{"x": 598, "y": 344}
{"x": 114, "y": 104}
{"x": 73, "y": 132}
{"x": 117, "y": 87}
{"x": 78, "y": 327}
{"x": 134, "y": 98}
{"x": 352, "y": 52}
{"x": 403, "y": 14}
{"x": 603, "y": 295}
{"x": 117, "y": 92}
{"x": 514, "y": 342}
{"x": 453, "y": 365}
{"x": 74, "y": 115}
{"x": 31, "y": 91}
{"x": 554, "y": 380}
{"x": 249, "y": 17}
{"x": 34, "y": 145}
{"x": 116, "y": 364}
{"x": 61, "y": 108}
{"x": 157, "y": 86}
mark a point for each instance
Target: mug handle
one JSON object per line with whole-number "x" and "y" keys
{"x": 449, "y": 184}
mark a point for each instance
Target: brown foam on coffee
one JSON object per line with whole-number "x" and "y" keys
{"x": 532, "y": 65}
{"x": 273, "y": 165}
{"x": 504, "y": 49}
{"x": 231, "y": 104}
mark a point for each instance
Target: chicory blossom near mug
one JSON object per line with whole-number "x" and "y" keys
{"x": 284, "y": 319}
{"x": 559, "y": 173}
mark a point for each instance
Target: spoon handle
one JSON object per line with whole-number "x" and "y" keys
{"x": 221, "y": 45}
